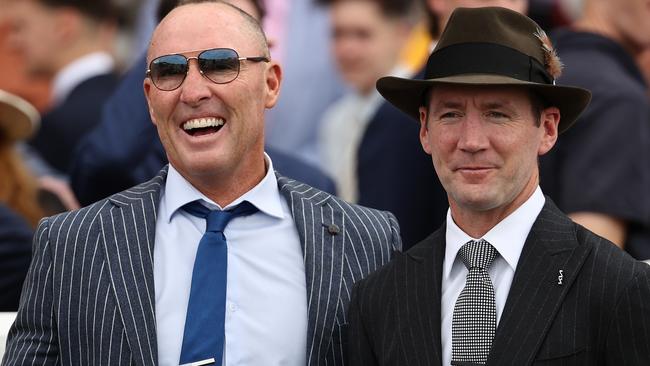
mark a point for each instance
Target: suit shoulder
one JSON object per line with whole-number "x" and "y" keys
{"x": 385, "y": 275}
{"x": 609, "y": 258}
{"x": 359, "y": 209}
{"x": 295, "y": 189}
{"x": 301, "y": 171}
{"x": 70, "y": 218}
{"x": 88, "y": 214}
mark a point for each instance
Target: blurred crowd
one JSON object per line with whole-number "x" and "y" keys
{"x": 75, "y": 127}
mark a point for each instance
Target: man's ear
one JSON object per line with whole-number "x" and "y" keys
{"x": 273, "y": 82}
{"x": 550, "y": 120}
{"x": 424, "y": 130}
{"x": 147, "y": 86}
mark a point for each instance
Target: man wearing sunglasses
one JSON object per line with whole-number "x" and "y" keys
{"x": 216, "y": 260}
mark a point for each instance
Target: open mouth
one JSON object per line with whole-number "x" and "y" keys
{"x": 203, "y": 126}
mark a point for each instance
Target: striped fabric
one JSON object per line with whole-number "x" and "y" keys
{"x": 576, "y": 299}
{"x": 89, "y": 295}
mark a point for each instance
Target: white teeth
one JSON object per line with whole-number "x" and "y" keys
{"x": 202, "y": 123}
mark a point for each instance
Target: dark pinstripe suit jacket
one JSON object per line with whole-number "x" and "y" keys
{"x": 599, "y": 315}
{"x": 89, "y": 294}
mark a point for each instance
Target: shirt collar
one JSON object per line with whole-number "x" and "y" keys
{"x": 507, "y": 237}
{"x": 265, "y": 195}
{"x": 79, "y": 70}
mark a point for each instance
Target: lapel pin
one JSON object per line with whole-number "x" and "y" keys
{"x": 333, "y": 229}
{"x": 560, "y": 278}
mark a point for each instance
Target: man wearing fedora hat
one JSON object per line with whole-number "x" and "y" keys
{"x": 508, "y": 279}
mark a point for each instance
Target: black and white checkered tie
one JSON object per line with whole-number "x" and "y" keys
{"x": 475, "y": 315}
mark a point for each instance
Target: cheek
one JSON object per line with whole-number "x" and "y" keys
{"x": 443, "y": 140}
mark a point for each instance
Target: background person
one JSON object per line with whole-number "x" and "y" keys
{"x": 19, "y": 208}
{"x": 595, "y": 174}
{"x": 70, "y": 42}
{"x": 367, "y": 37}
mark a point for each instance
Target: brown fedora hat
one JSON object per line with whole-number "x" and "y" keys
{"x": 18, "y": 118}
{"x": 490, "y": 46}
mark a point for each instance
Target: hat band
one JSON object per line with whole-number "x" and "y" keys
{"x": 485, "y": 58}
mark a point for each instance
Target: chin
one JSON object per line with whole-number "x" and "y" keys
{"x": 477, "y": 200}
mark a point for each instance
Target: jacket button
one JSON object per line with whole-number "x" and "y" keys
{"x": 333, "y": 229}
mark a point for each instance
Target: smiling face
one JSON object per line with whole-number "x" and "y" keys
{"x": 484, "y": 143}
{"x": 227, "y": 158}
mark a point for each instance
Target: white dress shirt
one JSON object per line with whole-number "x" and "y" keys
{"x": 78, "y": 71}
{"x": 508, "y": 238}
{"x": 266, "y": 297}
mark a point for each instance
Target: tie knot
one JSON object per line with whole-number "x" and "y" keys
{"x": 217, "y": 220}
{"x": 477, "y": 254}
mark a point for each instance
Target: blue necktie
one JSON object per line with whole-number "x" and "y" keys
{"x": 203, "y": 337}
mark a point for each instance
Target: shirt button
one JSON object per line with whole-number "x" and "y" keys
{"x": 232, "y": 307}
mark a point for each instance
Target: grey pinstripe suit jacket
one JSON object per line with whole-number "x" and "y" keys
{"x": 598, "y": 315}
{"x": 89, "y": 296}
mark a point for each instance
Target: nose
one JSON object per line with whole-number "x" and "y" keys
{"x": 195, "y": 88}
{"x": 473, "y": 135}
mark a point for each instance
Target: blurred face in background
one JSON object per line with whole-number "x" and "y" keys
{"x": 35, "y": 34}
{"x": 366, "y": 43}
{"x": 444, "y": 8}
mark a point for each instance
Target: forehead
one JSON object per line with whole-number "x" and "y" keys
{"x": 24, "y": 8}
{"x": 511, "y": 95}
{"x": 358, "y": 12}
{"x": 201, "y": 26}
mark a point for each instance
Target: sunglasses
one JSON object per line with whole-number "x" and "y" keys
{"x": 219, "y": 65}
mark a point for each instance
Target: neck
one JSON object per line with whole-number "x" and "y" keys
{"x": 477, "y": 222}
{"x": 223, "y": 189}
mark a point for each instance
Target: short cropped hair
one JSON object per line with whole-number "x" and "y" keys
{"x": 255, "y": 25}
{"x": 165, "y": 6}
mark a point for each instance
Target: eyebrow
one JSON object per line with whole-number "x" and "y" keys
{"x": 495, "y": 105}
{"x": 448, "y": 104}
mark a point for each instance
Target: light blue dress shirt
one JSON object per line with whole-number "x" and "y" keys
{"x": 266, "y": 301}
{"x": 508, "y": 238}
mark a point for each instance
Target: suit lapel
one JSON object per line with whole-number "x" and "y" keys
{"x": 321, "y": 229}
{"x": 128, "y": 227}
{"x": 549, "y": 263}
{"x": 422, "y": 295}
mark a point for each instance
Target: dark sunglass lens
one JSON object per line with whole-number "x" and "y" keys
{"x": 219, "y": 65}
{"x": 168, "y": 72}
